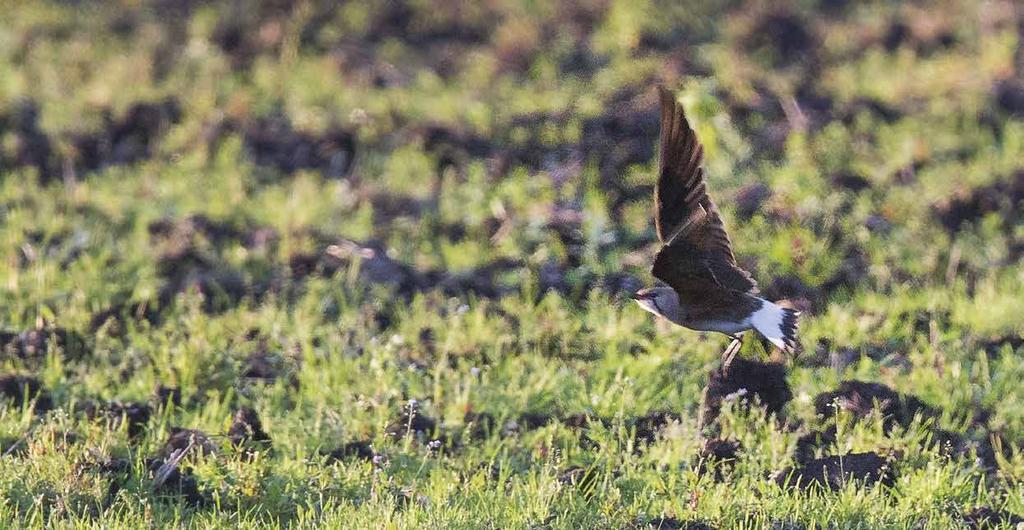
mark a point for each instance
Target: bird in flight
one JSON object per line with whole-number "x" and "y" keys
{"x": 704, "y": 289}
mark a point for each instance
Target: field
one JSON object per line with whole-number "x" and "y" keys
{"x": 298, "y": 264}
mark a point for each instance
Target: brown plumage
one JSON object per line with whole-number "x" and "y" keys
{"x": 709, "y": 291}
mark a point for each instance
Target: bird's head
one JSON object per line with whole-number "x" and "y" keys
{"x": 662, "y": 301}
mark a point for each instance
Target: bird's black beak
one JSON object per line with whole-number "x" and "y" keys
{"x": 636, "y": 296}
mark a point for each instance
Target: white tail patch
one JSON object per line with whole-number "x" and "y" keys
{"x": 777, "y": 324}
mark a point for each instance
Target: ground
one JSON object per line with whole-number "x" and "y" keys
{"x": 368, "y": 265}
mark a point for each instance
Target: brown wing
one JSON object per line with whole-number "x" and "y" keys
{"x": 697, "y": 249}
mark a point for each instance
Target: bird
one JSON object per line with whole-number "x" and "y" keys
{"x": 701, "y": 287}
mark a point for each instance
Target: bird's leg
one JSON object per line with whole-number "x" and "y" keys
{"x": 731, "y": 351}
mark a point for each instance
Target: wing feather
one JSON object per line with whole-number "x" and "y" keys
{"x": 697, "y": 251}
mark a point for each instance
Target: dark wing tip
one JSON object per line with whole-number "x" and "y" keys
{"x": 666, "y": 94}
{"x": 790, "y": 325}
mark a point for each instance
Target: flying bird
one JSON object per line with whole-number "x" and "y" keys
{"x": 704, "y": 289}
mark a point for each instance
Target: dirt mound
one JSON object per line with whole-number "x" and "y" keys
{"x": 584, "y": 479}
{"x": 647, "y": 427}
{"x": 750, "y": 199}
{"x": 1009, "y": 96}
{"x": 17, "y": 387}
{"x": 192, "y": 440}
{"x": 671, "y": 523}
{"x": 850, "y": 181}
{"x": 361, "y": 449}
{"x": 808, "y": 444}
{"x": 747, "y": 381}
{"x": 114, "y": 318}
{"x": 269, "y": 367}
{"x": 185, "y": 231}
{"x": 129, "y": 139}
{"x": 34, "y": 344}
{"x": 247, "y": 432}
{"x": 30, "y": 146}
{"x": 134, "y": 415}
{"x": 987, "y": 517}
{"x": 272, "y": 142}
{"x": 172, "y": 480}
{"x": 860, "y": 398}
{"x": 479, "y": 425}
{"x": 188, "y": 260}
{"x": 993, "y": 346}
{"x": 777, "y": 35}
{"x": 454, "y": 148}
{"x": 167, "y": 395}
{"x": 186, "y": 265}
{"x": 375, "y": 266}
{"x": 716, "y": 457}
{"x": 620, "y": 137}
{"x": 970, "y": 205}
{"x": 412, "y": 422}
{"x": 834, "y": 472}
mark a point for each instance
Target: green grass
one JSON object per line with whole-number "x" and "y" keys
{"x": 561, "y": 99}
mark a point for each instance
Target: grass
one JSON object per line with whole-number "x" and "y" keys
{"x": 179, "y": 197}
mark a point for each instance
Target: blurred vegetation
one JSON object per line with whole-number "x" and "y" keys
{"x": 400, "y": 235}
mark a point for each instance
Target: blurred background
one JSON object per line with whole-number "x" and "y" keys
{"x": 204, "y": 195}
{"x": 858, "y": 145}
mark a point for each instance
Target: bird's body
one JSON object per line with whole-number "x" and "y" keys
{"x": 745, "y": 313}
{"x": 705, "y": 289}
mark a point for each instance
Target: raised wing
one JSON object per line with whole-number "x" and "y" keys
{"x": 688, "y": 270}
{"x": 697, "y": 250}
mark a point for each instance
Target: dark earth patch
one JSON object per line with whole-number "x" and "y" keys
{"x": 746, "y": 380}
{"x": 808, "y": 444}
{"x": 834, "y": 472}
{"x": 167, "y": 395}
{"x": 375, "y": 266}
{"x": 750, "y": 198}
{"x": 1002, "y": 196}
{"x": 412, "y": 422}
{"x": 134, "y": 415}
{"x": 584, "y": 479}
{"x": 924, "y": 39}
{"x": 114, "y": 319}
{"x": 454, "y": 148}
{"x": 779, "y": 36}
{"x": 247, "y": 432}
{"x": 359, "y": 449}
{"x": 263, "y": 365}
{"x": 671, "y": 523}
{"x": 18, "y": 387}
{"x": 993, "y": 346}
{"x": 802, "y": 296}
{"x": 34, "y": 344}
{"x": 63, "y": 247}
{"x": 184, "y": 231}
{"x": 1009, "y": 96}
{"x": 272, "y": 142}
{"x": 647, "y": 427}
{"x": 177, "y": 482}
{"x": 860, "y": 398}
{"x": 185, "y": 266}
{"x": 988, "y": 517}
{"x": 479, "y": 425}
{"x": 129, "y": 139}
{"x": 181, "y": 439}
{"x": 30, "y": 146}
{"x": 850, "y": 181}
{"x": 716, "y": 457}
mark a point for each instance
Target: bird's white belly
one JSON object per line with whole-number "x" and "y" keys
{"x": 721, "y": 326}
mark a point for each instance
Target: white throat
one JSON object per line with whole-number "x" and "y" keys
{"x": 664, "y": 303}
